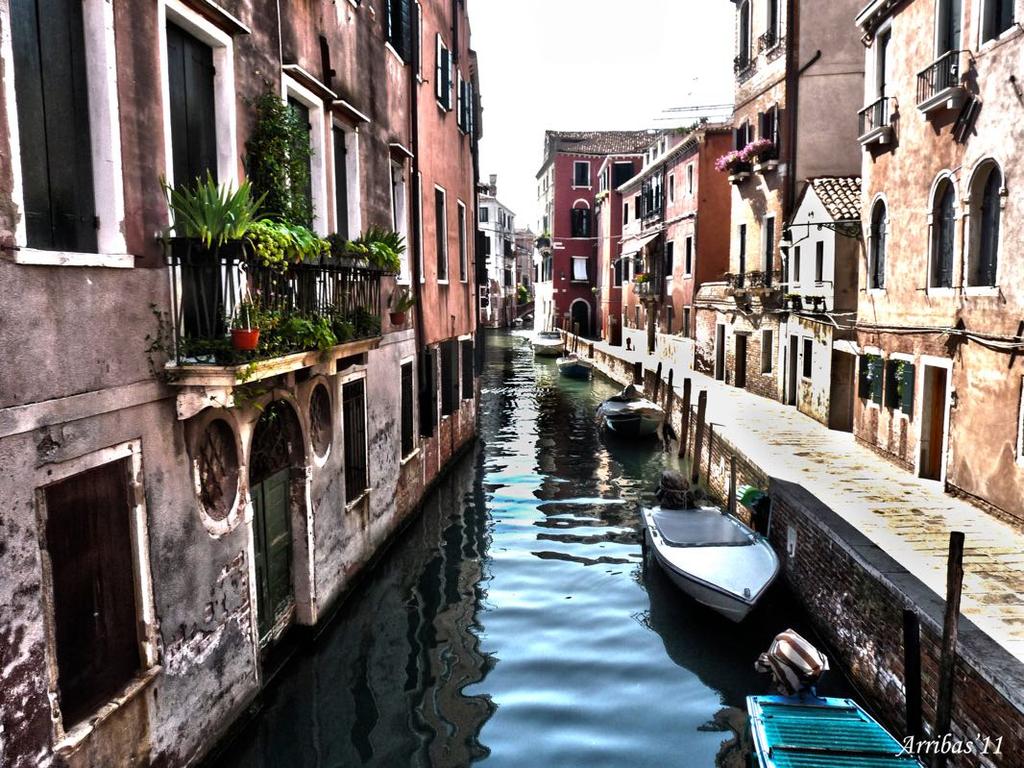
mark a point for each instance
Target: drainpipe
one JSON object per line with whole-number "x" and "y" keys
{"x": 416, "y": 239}
{"x": 792, "y": 100}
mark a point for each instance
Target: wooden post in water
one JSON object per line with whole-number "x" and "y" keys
{"x": 947, "y": 661}
{"x": 702, "y": 409}
{"x": 576, "y": 337}
{"x": 670, "y": 393}
{"x": 912, "y": 672}
{"x": 731, "y": 506}
{"x": 657, "y": 383}
{"x": 684, "y": 427}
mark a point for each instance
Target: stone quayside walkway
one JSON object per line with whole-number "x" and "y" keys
{"x": 909, "y": 518}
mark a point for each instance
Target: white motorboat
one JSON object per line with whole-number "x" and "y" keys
{"x": 712, "y": 557}
{"x": 574, "y": 366}
{"x": 548, "y": 344}
{"x": 631, "y": 415}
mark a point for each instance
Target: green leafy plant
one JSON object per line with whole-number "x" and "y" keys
{"x": 523, "y": 294}
{"x": 401, "y": 300}
{"x": 212, "y": 213}
{"x": 380, "y": 248}
{"x": 366, "y": 323}
{"x": 277, "y": 244}
{"x": 277, "y": 161}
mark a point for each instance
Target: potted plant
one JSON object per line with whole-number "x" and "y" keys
{"x": 735, "y": 164}
{"x": 245, "y": 331}
{"x": 401, "y": 302}
{"x": 761, "y": 153}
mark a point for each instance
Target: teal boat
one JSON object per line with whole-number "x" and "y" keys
{"x": 811, "y": 732}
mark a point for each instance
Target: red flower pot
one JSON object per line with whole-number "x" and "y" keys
{"x": 397, "y": 318}
{"x": 245, "y": 339}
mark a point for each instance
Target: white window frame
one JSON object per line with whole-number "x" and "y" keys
{"x": 589, "y": 183}
{"x": 972, "y": 220}
{"x": 444, "y": 220}
{"x": 105, "y": 144}
{"x": 142, "y": 578}
{"x": 982, "y": 43}
{"x": 460, "y": 207}
{"x": 419, "y": 41}
{"x": 803, "y": 358}
{"x": 353, "y": 188}
{"x": 400, "y": 216}
{"x": 416, "y": 438}
{"x": 291, "y": 88}
{"x": 942, "y": 291}
{"x": 419, "y": 214}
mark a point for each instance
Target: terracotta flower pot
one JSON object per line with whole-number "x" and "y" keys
{"x": 397, "y": 318}
{"x": 245, "y": 339}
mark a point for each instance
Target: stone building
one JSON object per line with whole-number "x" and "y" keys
{"x": 676, "y": 214}
{"x": 172, "y": 519}
{"x": 567, "y": 247}
{"x": 525, "y": 240}
{"x": 615, "y": 171}
{"x": 496, "y": 223}
{"x": 940, "y": 375}
{"x": 797, "y": 68}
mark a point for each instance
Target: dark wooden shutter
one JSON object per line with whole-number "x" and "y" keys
{"x": 353, "y": 400}
{"x": 449, "y": 380}
{"x": 53, "y": 122}
{"x": 405, "y": 29}
{"x": 88, "y": 537}
{"x": 302, "y": 113}
{"x": 193, "y": 127}
{"x": 340, "y": 184}
{"x": 428, "y": 392}
{"x": 407, "y": 415}
{"x": 467, "y": 369}
{"x": 441, "y": 233}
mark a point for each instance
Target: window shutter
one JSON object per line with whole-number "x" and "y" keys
{"x": 439, "y": 68}
{"x": 405, "y": 31}
{"x": 428, "y": 392}
{"x": 907, "y": 395}
{"x": 876, "y": 368}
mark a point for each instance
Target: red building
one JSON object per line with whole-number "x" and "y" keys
{"x": 615, "y": 171}
{"x": 567, "y": 190}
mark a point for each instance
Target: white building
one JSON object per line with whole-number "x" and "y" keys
{"x": 497, "y": 224}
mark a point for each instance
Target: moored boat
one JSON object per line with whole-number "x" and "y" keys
{"x": 630, "y": 415}
{"x": 548, "y": 344}
{"x": 574, "y": 366}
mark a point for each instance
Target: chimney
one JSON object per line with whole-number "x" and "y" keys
{"x": 494, "y": 184}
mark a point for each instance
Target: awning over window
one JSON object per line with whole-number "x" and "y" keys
{"x": 846, "y": 345}
{"x": 635, "y": 245}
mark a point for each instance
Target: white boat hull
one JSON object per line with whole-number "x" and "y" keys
{"x": 574, "y": 367}
{"x": 640, "y": 418}
{"x": 728, "y": 578}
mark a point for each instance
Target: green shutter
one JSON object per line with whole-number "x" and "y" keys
{"x": 907, "y": 395}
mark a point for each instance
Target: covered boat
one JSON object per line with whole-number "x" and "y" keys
{"x": 574, "y": 366}
{"x": 631, "y": 415}
{"x": 710, "y": 556}
{"x": 548, "y": 344}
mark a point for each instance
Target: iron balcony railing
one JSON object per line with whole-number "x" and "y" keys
{"x": 742, "y": 63}
{"x": 767, "y": 41}
{"x": 940, "y": 75}
{"x": 209, "y": 288}
{"x": 875, "y": 115}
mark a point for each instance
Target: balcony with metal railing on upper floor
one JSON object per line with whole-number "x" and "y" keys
{"x": 875, "y": 122}
{"x": 939, "y": 86}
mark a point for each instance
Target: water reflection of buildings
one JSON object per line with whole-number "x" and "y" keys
{"x": 384, "y": 686}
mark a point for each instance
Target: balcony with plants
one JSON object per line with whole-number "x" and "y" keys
{"x": 256, "y": 293}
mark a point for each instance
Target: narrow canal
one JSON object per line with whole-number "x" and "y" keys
{"x": 515, "y": 623}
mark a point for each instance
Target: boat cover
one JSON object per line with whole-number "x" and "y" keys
{"x": 700, "y": 528}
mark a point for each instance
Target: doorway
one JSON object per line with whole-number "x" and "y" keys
{"x": 794, "y": 360}
{"x": 580, "y": 317}
{"x": 741, "y": 360}
{"x": 933, "y": 422}
{"x": 840, "y": 401}
{"x": 720, "y": 352}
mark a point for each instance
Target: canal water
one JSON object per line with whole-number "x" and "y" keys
{"x": 515, "y": 622}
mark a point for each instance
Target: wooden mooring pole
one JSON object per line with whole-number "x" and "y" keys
{"x": 702, "y": 409}
{"x": 947, "y": 661}
{"x": 912, "y": 672}
{"x": 684, "y": 427}
{"x": 657, "y": 383}
{"x": 732, "y": 486}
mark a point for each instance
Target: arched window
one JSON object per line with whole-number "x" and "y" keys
{"x": 943, "y": 228}
{"x": 743, "y": 57}
{"x": 876, "y": 253}
{"x": 983, "y": 256}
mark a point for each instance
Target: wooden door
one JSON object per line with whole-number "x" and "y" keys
{"x": 720, "y": 352}
{"x": 933, "y": 423}
{"x": 190, "y": 88}
{"x": 794, "y": 355}
{"x": 273, "y": 549}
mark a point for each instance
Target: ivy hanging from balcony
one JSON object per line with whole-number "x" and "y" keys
{"x": 278, "y": 160}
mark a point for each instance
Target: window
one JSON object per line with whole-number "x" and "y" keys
{"x": 672, "y": 188}
{"x": 876, "y": 249}
{"x": 443, "y": 75}
{"x": 467, "y": 369}
{"x": 686, "y": 322}
{"x": 942, "y": 235}
{"x": 808, "y": 358}
{"x": 398, "y": 27}
{"x": 463, "y": 253}
{"x": 794, "y": 278}
{"x": 465, "y": 111}
{"x": 419, "y": 39}
{"x": 670, "y": 257}
{"x": 308, "y": 108}
{"x": 617, "y": 273}
{"x": 650, "y": 200}
{"x": 997, "y": 17}
{"x": 581, "y": 173}
{"x": 869, "y": 380}
{"x": 819, "y": 261}
{"x": 483, "y": 214}
{"x": 90, "y": 546}
{"x": 949, "y": 26}
{"x": 408, "y": 438}
{"x": 743, "y": 253}
{"x": 899, "y": 386}
{"x": 56, "y": 164}
{"x": 773, "y": 21}
{"x": 767, "y": 351}
{"x": 625, "y": 213}
{"x": 449, "y": 376}
{"x": 193, "y": 132}
{"x": 353, "y": 408}
{"x": 400, "y": 215}
{"x": 689, "y": 179}
{"x": 743, "y": 37}
{"x": 341, "y": 182}
{"x": 742, "y": 135}
{"x": 688, "y": 255}
{"x": 441, "y": 233}
{"x": 768, "y": 125}
{"x": 579, "y": 269}
{"x": 581, "y": 222}
{"x": 623, "y": 173}
{"x": 768, "y": 253}
{"x": 301, "y": 112}
{"x": 986, "y": 202}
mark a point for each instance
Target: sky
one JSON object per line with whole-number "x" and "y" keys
{"x": 589, "y": 65}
